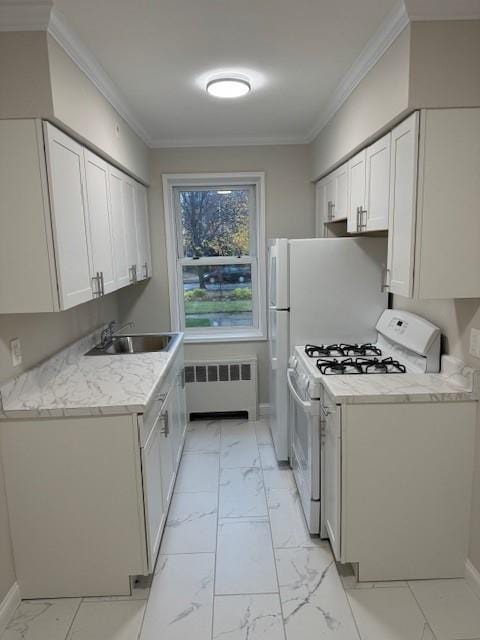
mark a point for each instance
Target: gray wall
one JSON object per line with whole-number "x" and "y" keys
{"x": 289, "y": 213}
{"x": 7, "y": 572}
{"x": 39, "y": 80}
{"x": 379, "y": 99}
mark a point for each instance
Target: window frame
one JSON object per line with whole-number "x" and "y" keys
{"x": 175, "y": 261}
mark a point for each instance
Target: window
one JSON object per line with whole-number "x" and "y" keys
{"x": 216, "y": 255}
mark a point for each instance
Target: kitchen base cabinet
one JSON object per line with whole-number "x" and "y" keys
{"x": 88, "y": 496}
{"x": 74, "y": 488}
{"x": 406, "y": 489}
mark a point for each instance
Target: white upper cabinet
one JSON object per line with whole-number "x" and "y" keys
{"x": 356, "y": 192}
{"x": 80, "y": 228}
{"x": 130, "y": 227}
{"x": 368, "y": 179}
{"x": 66, "y": 179}
{"x": 144, "y": 261}
{"x": 447, "y": 255}
{"x": 321, "y": 209}
{"x": 434, "y": 227}
{"x": 340, "y": 203}
{"x": 402, "y": 214}
{"x": 100, "y": 224}
{"x": 377, "y": 185}
{"x": 122, "y": 273}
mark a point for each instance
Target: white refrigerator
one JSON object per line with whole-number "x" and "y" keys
{"x": 321, "y": 291}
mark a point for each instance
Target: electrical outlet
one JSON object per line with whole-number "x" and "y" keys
{"x": 16, "y": 352}
{"x": 475, "y": 343}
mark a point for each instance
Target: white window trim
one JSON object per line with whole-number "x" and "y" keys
{"x": 225, "y": 334}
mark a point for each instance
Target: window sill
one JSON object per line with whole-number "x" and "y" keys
{"x": 197, "y": 338}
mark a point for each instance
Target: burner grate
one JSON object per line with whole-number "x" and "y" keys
{"x": 357, "y": 366}
{"x": 341, "y": 350}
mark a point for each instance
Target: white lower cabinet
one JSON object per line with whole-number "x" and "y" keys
{"x": 398, "y": 486}
{"x": 332, "y": 443}
{"x": 153, "y": 483}
{"x": 88, "y": 221}
{"x": 95, "y": 491}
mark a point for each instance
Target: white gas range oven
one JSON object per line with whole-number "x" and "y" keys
{"x": 382, "y": 450}
{"x": 405, "y": 342}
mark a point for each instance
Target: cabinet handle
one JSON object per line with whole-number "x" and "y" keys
{"x": 133, "y": 274}
{"x": 102, "y": 283}
{"x": 330, "y": 210}
{"x": 96, "y": 285}
{"x": 145, "y": 269}
{"x": 165, "y": 429}
{"x": 363, "y": 226}
{"x": 385, "y": 284}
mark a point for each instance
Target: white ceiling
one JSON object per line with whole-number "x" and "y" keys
{"x": 159, "y": 54}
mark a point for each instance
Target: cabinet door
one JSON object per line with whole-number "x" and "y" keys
{"x": 180, "y": 416}
{"x": 142, "y": 232}
{"x": 332, "y": 475}
{"x": 130, "y": 227}
{"x": 402, "y": 214}
{"x": 340, "y": 207}
{"x": 154, "y": 503}
{"x": 320, "y": 209}
{"x": 356, "y": 198}
{"x": 99, "y": 222}
{"x": 66, "y": 178}
{"x": 122, "y": 275}
{"x": 330, "y": 196}
{"x": 377, "y": 185}
{"x": 167, "y": 448}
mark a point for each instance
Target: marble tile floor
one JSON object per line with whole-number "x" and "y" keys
{"x": 237, "y": 563}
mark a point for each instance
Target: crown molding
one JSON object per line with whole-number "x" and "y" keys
{"x": 387, "y": 33}
{"x": 25, "y": 15}
{"x": 182, "y": 143}
{"x": 72, "y": 44}
{"x": 439, "y": 10}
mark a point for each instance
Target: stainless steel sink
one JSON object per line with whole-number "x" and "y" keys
{"x": 146, "y": 343}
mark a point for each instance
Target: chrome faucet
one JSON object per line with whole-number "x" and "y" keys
{"x": 124, "y": 326}
{"x": 106, "y": 336}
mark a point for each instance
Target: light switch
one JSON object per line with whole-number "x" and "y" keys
{"x": 475, "y": 343}
{"x": 16, "y": 352}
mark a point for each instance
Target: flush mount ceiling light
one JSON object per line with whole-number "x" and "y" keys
{"x": 228, "y": 87}
{"x": 224, "y": 192}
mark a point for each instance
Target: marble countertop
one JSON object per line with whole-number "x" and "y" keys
{"x": 72, "y": 384}
{"x": 454, "y": 383}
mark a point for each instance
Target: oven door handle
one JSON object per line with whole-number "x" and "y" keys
{"x": 298, "y": 399}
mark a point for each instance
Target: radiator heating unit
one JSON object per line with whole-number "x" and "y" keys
{"x": 222, "y": 387}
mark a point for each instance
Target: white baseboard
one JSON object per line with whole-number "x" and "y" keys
{"x": 264, "y": 409}
{"x": 9, "y": 605}
{"x": 472, "y": 576}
